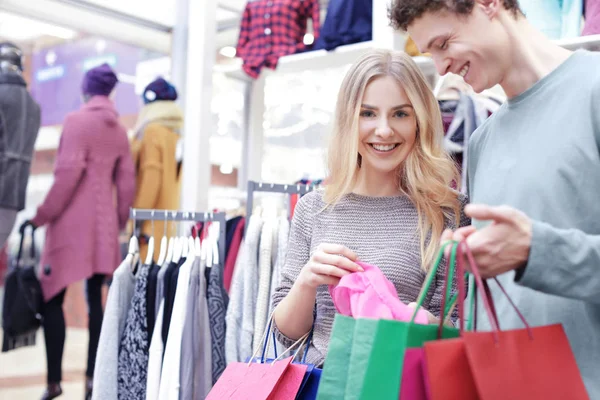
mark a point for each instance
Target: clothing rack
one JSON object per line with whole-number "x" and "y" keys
{"x": 253, "y": 187}
{"x": 137, "y": 214}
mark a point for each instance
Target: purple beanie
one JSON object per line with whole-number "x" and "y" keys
{"x": 99, "y": 81}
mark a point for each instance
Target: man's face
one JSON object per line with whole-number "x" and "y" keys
{"x": 473, "y": 46}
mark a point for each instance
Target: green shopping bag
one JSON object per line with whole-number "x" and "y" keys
{"x": 335, "y": 370}
{"x": 378, "y": 346}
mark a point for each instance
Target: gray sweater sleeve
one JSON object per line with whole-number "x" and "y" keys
{"x": 298, "y": 254}
{"x": 566, "y": 262}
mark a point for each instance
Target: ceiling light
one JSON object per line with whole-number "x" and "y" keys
{"x": 19, "y": 28}
{"x": 228, "y": 51}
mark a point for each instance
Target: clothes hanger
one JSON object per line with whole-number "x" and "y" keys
{"x": 191, "y": 242}
{"x": 169, "y": 257}
{"x": 163, "y": 243}
{"x": 215, "y": 243}
{"x": 150, "y": 253}
{"x": 134, "y": 246}
{"x": 184, "y": 244}
{"x": 177, "y": 250}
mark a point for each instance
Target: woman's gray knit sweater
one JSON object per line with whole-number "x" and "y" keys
{"x": 382, "y": 231}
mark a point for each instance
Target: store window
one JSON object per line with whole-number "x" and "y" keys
{"x": 299, "y": 109}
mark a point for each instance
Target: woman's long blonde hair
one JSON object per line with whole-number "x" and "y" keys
{"x": 428, "y": 171}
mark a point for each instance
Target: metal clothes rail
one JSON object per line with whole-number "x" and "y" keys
{"x": 137, "y": 214}
{"x": 253, "y": 187}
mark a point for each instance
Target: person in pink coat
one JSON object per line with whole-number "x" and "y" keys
{"x": 87, "y": 206}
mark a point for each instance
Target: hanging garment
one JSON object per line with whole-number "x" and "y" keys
{"x": 170, "y": 375}
{"x": 196, "y": 356}
{"x": 230, "y": 228}
{"x": 272, "y": 29}
{"x": 233, "y": 317}
{"x": 232, "y": 253}
{"x": 170, "y": 290}
{"x": 160, "y": 286}
{"x": 264, "y": 283}
{"x": 20, "y": 116}
{"x": 82, "y": 237}
{"x": 155, "y": 355}
{"x": 465, "y": 121}
{"x": 347, "y": 22}
{"x": 151, "y": 298}
{"x": 250, "y": 293}
{"x": 370, "y": 294}
{"x": 217, "y": 309}
{"x": 282, "y": 243}
{"x": 155, "y": 148}
{"x": 557, "y": 19}
{"x": 113, "y": 324}
{"x": 592, "y": 18}
{"x": 133, "y": 353}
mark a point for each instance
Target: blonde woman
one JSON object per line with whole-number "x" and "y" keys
{"x": 388, "y": 200}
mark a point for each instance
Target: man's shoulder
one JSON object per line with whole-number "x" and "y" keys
{"x": 484, "y": 130}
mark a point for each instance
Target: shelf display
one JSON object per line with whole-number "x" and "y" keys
{"x": 347, "y": 22}
{"x": 274, "y": 28}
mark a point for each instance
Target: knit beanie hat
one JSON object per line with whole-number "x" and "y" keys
{"x": 159, "y": 89}
{"x": 99, "y": 81}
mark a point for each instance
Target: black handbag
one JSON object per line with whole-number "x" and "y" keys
{"x": 23, "y": 300}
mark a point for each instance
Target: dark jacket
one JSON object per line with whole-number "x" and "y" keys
{"x": 19, "y": 126}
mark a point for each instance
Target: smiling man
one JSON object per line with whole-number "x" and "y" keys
{"x": 534, "y": 166}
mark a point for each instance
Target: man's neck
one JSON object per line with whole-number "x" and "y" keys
{"x": 533, "y": 56}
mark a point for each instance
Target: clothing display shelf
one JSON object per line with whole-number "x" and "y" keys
{"x": 137, "y": 214}
{"x": 591, "y": 43}
{"x": 320, "y": 59}
{"x": 300, "y": 189}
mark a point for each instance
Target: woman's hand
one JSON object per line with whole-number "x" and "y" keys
{"x": 432, "y": 319}
{"x": 328, "y": 264}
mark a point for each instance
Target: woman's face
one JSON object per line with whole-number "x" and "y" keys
{"x": 387, "y": 126}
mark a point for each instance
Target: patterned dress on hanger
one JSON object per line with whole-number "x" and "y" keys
{"x": 133, "y": 352}
{"x": 217, "y": 308}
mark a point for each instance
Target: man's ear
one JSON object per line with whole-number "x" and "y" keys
{"x": 489, "y": 7}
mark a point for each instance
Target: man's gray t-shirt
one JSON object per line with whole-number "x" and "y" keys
{"x": 540, "y": 153}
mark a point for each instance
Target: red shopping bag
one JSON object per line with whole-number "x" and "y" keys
{"x": 250, "y": 381}
{"x": 520, "y": 364}
{"x": 447, "y": 370}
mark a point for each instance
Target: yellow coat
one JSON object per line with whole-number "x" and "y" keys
{"x": 158, "y": 170}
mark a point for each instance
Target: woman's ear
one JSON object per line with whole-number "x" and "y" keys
{"x": 489, "y": 7}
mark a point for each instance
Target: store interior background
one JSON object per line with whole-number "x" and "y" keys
{"x": 273, "y": 129}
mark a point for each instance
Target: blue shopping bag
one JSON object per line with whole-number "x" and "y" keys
{"x": 310, "y": 383}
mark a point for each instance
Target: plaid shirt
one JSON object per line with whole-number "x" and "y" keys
{"x": 272, "y": 29}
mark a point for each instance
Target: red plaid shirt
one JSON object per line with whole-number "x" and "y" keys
{"x": 272, "y": 29}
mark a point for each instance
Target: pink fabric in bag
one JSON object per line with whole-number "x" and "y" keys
{"x": 370, "y": 294}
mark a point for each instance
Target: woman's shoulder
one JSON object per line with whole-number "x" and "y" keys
{"x": 464, "y": 219}
{"x": 310, "y": 203}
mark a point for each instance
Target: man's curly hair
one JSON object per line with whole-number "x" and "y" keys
{"x": 402, "y": 13}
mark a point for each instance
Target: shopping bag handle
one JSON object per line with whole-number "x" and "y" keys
{"x": 485, "y": 294}
{"x": 270, "y": 331}
{"x": 429, "y": 279}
